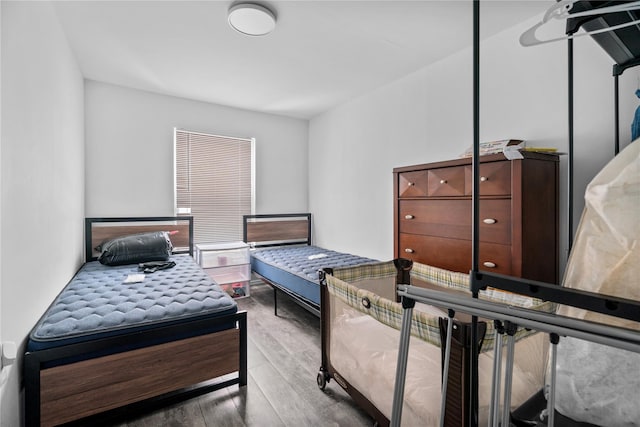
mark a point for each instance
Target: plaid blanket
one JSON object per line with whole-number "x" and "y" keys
{"x": 343, "y": 284}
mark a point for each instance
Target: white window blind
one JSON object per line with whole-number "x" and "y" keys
{"x": 214, "y": 183}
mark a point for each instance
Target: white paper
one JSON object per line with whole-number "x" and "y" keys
{"x": 134, "y": 278}
{"x": 512, "y": 152}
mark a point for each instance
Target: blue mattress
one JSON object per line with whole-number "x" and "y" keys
{"x": 296, "y": 267}
{"x": 96, "y": 303}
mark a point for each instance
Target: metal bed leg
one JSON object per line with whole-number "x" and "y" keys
{"x": 275, "y": 301}
{"x": 508, "y": 375}
{"x": 401, "y": 367}
{"x": 551, "y": 400}
{"x": 242, "y": 373}
{"x": 494, "y": 409}
{"x": 445, "y": 373}
{"x": 32, "y": 389}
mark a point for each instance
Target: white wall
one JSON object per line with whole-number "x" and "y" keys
{"x": 42, "y": 192}
{"x": 427, "y": 117}
{"x": 129, "y": 151}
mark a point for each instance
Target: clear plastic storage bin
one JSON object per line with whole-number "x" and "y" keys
{"x": 228, "y": 265}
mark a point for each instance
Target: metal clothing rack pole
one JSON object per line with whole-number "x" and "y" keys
{"x": 618, "y": 69}
{"x": 494, "y": 408}
{"x": 475, "y": 195}
{"x": 616, "y": 109}
{"x": 570, "y": 136}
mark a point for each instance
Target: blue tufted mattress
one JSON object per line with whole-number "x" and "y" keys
{"x": 296, "y": 267}
{"x": 97, "y": 304}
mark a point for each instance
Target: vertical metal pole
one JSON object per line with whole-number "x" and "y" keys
{"x": 473, "y": 368}
{"x": 616, "y": 95}
{"x": 551, "y": 400}
{"x": 476, "y": 134}
{"x": 445, "y": 372}
{"x": 494, "y": 409}
{"x": 570, "y": 159}
{"x": 508, "y": 374}
{"x": 401, "y": 367}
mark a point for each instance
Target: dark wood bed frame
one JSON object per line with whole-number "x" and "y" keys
{"x": 267, "y": 230}
{"x": 58, "y": 391}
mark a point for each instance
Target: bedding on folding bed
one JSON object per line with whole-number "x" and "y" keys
{"x": 97, "y": 303}
{"x": 296, "y": 267}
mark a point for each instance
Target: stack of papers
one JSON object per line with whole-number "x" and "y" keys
{"x": 495, "y": 147}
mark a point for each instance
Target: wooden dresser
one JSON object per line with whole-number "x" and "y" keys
{"x": 518, "y": 215}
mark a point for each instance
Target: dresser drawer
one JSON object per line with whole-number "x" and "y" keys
{"x": 446, "y": 218}
{"x": 495, "y": 258}
{"x": 495, "y": 179}
{"x": 446, "y": 181}
{"x": 495, "y": 220}
{"x": 454, "y": 254}
{"x": 452, "y": 218}
{"x": 412, "y": 184}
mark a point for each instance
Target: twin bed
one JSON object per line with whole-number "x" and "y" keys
{"x": 112, "y": 337}
{"x": 283, "y": 257}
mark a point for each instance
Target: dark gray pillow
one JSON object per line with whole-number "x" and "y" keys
{"x": 136, "y": 248}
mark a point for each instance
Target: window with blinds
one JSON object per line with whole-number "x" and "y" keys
{"x": 214, "y": 183}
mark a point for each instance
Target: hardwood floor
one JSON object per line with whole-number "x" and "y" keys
{"x": 283, "y": 360}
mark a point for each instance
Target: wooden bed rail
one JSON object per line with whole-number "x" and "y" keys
{"x": 145, "y": 376}
{"x": 99, "y": 230}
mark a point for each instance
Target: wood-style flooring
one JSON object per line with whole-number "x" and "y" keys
{"x": 283, "y": 361}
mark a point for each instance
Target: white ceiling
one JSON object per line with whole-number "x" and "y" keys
{"x": 321, "y": 54}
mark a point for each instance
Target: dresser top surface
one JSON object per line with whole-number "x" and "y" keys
{"x": 552, "y": 157}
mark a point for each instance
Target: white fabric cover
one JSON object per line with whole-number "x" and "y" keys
{"x": 595, "y": 383}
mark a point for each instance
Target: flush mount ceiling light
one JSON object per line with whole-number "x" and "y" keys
{"x": 252, "y": 19}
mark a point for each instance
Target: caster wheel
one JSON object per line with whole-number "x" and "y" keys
{"x": 321, "y": 380}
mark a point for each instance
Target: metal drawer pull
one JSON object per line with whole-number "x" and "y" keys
{"x": 443, "y": 181}
{"x": 489, "y": 264}
{"x": 489, "y": 221}
{"x": 409, "y": 250}
{"x": 484, "y": 178}
{"x": 411, "y": 184}
{"x": 409, "y": 217}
